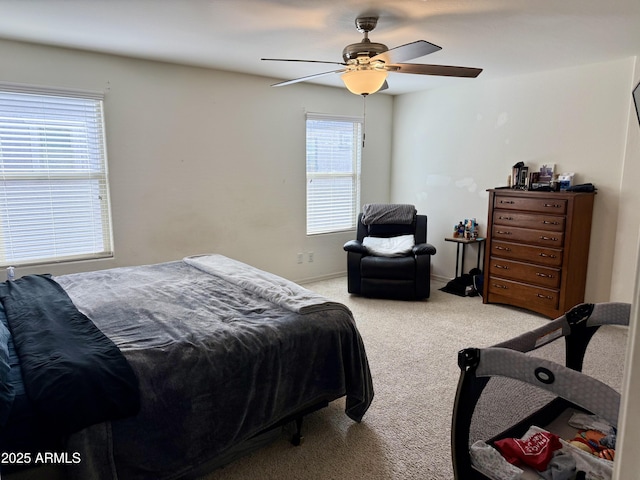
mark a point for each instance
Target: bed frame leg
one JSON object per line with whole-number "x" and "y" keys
{"x": 297, "y": 436}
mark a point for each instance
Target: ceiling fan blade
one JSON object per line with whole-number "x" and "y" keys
{"x": 306, "y": 61}
{"x": 441, "y": 70}
{"x": 409, "y": 51}
{"x": 308, "y": 77}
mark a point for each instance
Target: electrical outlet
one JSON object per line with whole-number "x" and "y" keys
{"x": 300, "y": 257}
{"x": 310, "y": 257}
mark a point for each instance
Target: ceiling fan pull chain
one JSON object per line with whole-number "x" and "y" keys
{"x": 364, "y": 119}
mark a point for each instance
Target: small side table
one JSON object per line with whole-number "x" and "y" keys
{"x": 464, "y": 242}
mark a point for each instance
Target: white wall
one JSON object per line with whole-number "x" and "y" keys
{"x": 627, "y": 258}
{"x": 207, "y": 161}
{"x": 451, "y": 144}
{"x": 626, "y": 252}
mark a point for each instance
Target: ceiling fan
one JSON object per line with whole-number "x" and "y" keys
{"x": 366, "y": 64}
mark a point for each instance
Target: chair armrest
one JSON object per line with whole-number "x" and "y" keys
{"x": 355, "y": 246}
{"x": 424, "y": 249}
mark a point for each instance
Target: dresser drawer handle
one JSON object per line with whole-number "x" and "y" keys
{"x": 545, "y": 275}
{"x": 505, "y": 218}
{"x": 504, "y": 267}
{"x": 545, "y": 222}
{"x": 548, "y": 297}
{"x": 547, "y": 255}
{"x": 553, "y": 205}
{"x": 542, "y": 237}
{"x": 500, "y": 232}
{"x": 506, "y": 249}
{"x": 500, "y": 286}
{"x": 510, "y": 202}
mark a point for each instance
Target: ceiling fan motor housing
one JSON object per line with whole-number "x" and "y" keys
{"x": 366, "y": 48}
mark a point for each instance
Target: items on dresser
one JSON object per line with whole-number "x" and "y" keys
{"x": 519, "y": 176}
{"x": 565, "y": 181}
{"x": 537, "y": 249}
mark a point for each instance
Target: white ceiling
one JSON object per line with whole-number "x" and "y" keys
{"x": 504, "y": 37}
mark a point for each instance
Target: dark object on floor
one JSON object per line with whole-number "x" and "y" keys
{"x": 465, "y": 285}
{"x": 461, "y": 286}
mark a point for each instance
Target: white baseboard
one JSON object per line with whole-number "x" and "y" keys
{"x": 439, "y": 278}
{"x": 321, "y": 277}
{"x": 435, "y": 278}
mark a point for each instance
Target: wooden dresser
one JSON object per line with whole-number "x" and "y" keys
{"x": 537, "y": 249}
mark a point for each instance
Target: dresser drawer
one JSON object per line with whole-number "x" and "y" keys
{"x": 544, "y": 256}
{"x": 532, "y": 204}
{"x": 519, "y": 294}
{"x": 553, "y": 223}
{"x": 534, "y": 237}
{"x": 525, "y": 272}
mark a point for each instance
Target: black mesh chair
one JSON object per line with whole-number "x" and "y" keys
{"x": 403, "y": 277}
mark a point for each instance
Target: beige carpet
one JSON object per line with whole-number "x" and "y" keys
{"x": 412, "y": 349}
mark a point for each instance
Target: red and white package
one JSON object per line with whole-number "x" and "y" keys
{"x": 534, "y": 449}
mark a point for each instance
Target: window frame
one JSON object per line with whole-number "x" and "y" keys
{"x": 354, "y": 175}
{"x": 57, "y": 175}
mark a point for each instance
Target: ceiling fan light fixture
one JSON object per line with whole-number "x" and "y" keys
{"x": 364, "y": 81}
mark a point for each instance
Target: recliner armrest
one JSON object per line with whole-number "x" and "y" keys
{"x": 355, "y": 246}
{"x": 424, "y": 249}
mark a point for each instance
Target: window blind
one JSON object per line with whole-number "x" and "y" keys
{"x": 333, "y": 151}
{"x": 54, "y": 198}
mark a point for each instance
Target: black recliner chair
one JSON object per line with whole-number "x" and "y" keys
{"x": 402, "y": 278}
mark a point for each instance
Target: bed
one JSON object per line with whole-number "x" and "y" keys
{"x": 531, "y": 392}
{"x": 211, "y": 355}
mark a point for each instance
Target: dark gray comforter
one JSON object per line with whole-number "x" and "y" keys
{"x": 218, "y": 360}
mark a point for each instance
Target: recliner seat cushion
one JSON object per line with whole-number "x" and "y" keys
{"x": 402, "y": 268}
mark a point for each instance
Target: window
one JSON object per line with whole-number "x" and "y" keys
{"x": 54, "y": 199}
{"x": 334, "y": 151}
